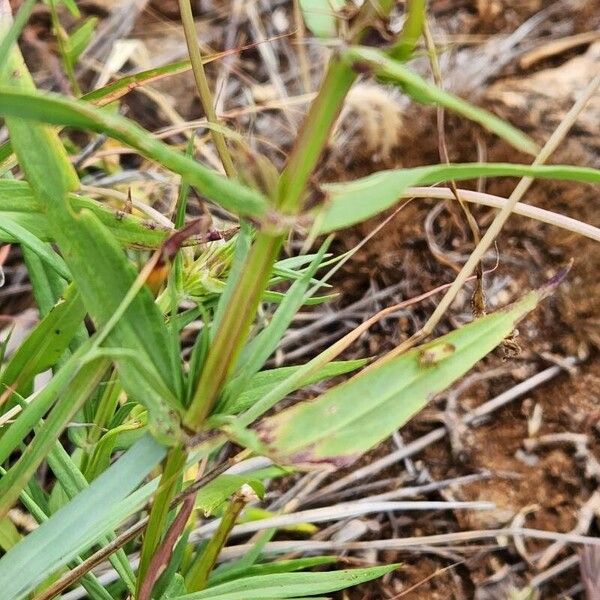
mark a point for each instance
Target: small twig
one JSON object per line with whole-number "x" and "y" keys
{"x": 478, "y": 298}
{"x": 579, "y": 441}
{"x": 336, "y": 512}
{"x": 524, "y": 210}
{"x": 590, "y": 572}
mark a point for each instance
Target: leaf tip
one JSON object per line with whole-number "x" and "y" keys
{"x": 556, "y": 279}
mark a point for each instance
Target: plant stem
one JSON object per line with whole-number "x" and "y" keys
{"x": 206, "y": 559}
{"x": 234, "y": 329}
{"x": 191, "y": 38}
{"x": 314, "y": 134}
{"x": 169, "y": 482}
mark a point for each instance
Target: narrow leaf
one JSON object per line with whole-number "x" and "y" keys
{"x": 19, "y": 204}
{"x": 355, "y": 201}
{"x": 266, "y": 381}
{"x": 289, "y": 585}
{"x": 78, "y": 524}
{"x": 22, "y": 235}
{"x": 46, "y": 343}
{"x": 56, "y": 110}
{"x": 423, "y": 91}
{"x": 350, "y": 418}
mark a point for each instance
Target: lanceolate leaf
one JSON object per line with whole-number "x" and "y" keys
{"x": 101, "y": 271}
{"x": 288, "y": 585}
{"x": 46, "y": 343}
{"x": 355, "y": 201}
{"x": 19, "y": 204}
{"x": 258, "y": 350}
{"x": 350, "y": 418}
{"x": 264, "y": 382}
{"x": 75, "y": 394}
{"x": 56, "y": 110}
{"x": 27, "y": 239}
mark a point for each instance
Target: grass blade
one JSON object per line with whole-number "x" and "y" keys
{"x": 25, "y": 238}
{"x": 77, "y": 392}
{"x": 289, "y": 585}
{"x": 19, "y": 203}
{"x": 56, "y": 110}
{"x": 77, "y": 525}
{"x": 352, "y": 417}
{"x": 425, "y": 92}
{"x": 349, "y": 203}
{"x": 45, "y": 345}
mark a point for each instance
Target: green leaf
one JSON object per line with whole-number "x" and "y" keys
{"x": 9, "y": 534}
{"x": 320, "y": 17}
{"x": 403, "y": 49}
{"x": 257, "y": 351}
{"x": 336, "y": 428}
{"x": 221, "y": 575}
{"x": 46, "y": 343}
{"x": 45, "y": 253}
{"x": 83, "y": 383}
{"x": 215, "y": 493}
{"x": 102, "y": 273}
{"x": 119, "y": 88}
{"x": 10, "y": 32}
{"x": 355, "y": 201}
{"x": 289, "y": 585}
{"x": 71, "y": 6}
{"x": 77, "y": 525}
{"x": 56, "y": 110}
{"x": 80, "y": 39}
{"x": 19, "y": 204}
{"x": 47, "y": 285}
{"x": 425, "y": 92}
{"x": 264, "y": 382}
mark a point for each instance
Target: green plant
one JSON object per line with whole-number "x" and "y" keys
{"x": 150, "y": 425}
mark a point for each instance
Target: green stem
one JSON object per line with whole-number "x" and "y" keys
{"x": 62, "y": 39}
{"x": 323, "y": 113}
{"x": 314, "y": 134}
{"x": 239, "y": 315}
{"x": 411, "y": 32}
{"x": 235, "y": 326}
{"x": 191, "y": 38}
{"x": 157, "y": 523}
{"x": 205, "y": 561}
